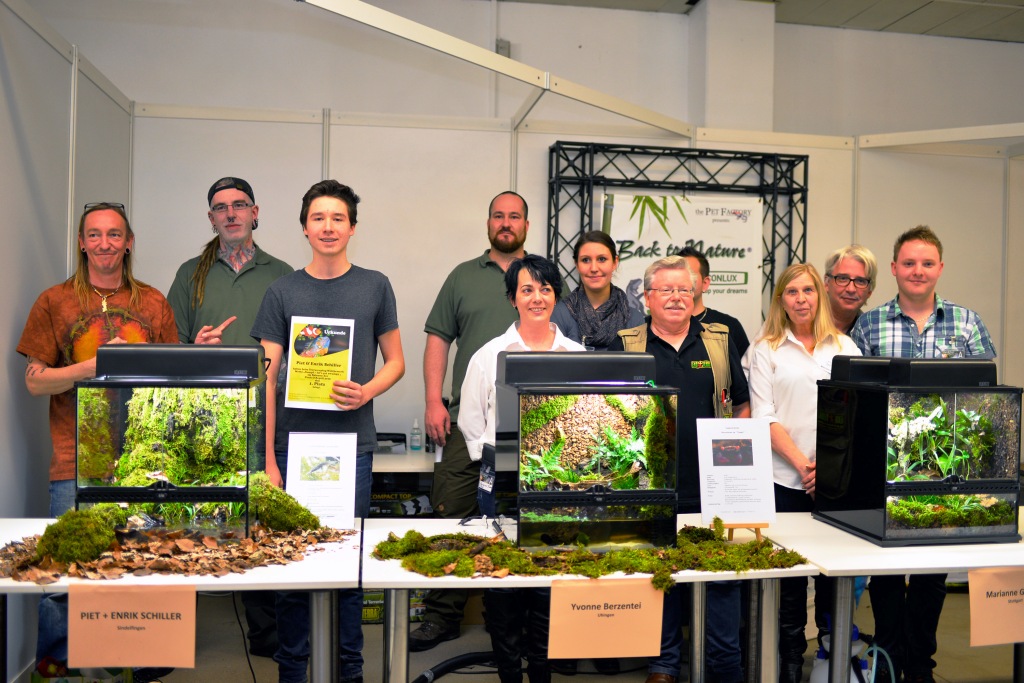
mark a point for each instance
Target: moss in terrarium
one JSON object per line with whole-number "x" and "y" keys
{"x": 535, "y": 418}
{"x": 950, "y": 511}
{"x": 275, "y": 508}
{"x": 76, "y": 536}
{"x": 657, "y": 444}
{"x": 615, "y": 402}
{"x": 193, "y": 436}
{"x": 97, "y": 443}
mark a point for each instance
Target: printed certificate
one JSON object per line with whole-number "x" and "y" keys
{"x": 736, "y": 480}
{"x": 320, "y": 353}
{"x": 322, "y": 475}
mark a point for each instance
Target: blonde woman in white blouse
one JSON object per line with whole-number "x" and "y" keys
{"x": 796, "y": 349}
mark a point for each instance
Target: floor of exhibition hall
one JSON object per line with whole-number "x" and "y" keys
{"x": 220, "y": 654}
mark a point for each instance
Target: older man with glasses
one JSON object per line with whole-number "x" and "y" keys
{"x": 701, "y": 360}
{"x": 849, "y": 281}
{"x": 101, "y": 303}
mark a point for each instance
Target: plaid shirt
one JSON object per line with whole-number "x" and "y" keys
{"x": 887, "y": 331}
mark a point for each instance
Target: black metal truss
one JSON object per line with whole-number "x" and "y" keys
{"x": 576, "y": 170}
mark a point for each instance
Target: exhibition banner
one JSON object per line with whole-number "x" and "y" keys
{"x": 726, "y": 228}
{"x": 117, "y": 626}
{"x": 604, "y": 618}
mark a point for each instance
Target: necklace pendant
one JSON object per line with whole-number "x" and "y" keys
{"x": 103, "y": 304}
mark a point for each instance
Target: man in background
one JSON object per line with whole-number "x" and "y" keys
{"x": 849, "y": 280}
{"x": 470, "y": 310}
{"x": 702, "y": 314}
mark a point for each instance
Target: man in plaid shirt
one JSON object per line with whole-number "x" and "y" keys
{"x": 916, "y": 324}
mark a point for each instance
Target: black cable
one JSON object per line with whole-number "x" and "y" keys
{"x": 241, "y": 630}
{"x": 453, "y": 664}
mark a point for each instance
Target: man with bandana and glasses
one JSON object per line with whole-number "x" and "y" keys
{"x": 215, "y": 297}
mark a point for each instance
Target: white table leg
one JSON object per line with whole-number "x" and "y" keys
{"x": 697, "y": 616}
{"x": 396, "y": 636}
{"x": 769, "y": 627}
{"x": 842, "y": 629}
{"x": 323, "y": 636}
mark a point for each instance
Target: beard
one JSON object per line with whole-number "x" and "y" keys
{"x": 508, "y": 246}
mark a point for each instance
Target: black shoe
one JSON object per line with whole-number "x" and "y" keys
{"x": 150, "y": 674}
{"x": 353, "y": 679}
{"x": 262, "y": 650}
{"x": 429, "y": 635}
{"x": 564, "y": 667}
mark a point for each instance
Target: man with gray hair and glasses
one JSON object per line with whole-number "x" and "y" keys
{"x": 701, "y": 360}
{"x": 849, "y": 280}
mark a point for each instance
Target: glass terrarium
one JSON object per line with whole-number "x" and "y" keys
{"x": 172, "y": 430}
{"x": 597, "y": 467}
{"x": 923, "y": 464}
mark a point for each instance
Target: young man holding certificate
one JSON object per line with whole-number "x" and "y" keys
{"x": 327, "y": 311}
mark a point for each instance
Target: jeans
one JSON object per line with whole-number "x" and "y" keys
{"x": 721, "y": 632}
{"x": 52, "y": 637}
{"x": 292, "y": 654}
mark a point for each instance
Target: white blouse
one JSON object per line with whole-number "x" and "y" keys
{"x": 476, "y": 404}
{"x": 783, "y": 388}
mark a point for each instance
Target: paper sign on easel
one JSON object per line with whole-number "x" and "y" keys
{"x": 118, "y": 626}
{"x": 997, "y": 605}
{"x": 322, "y": 475}
{"x": 735, "y": 458}
{"x": 594, "y": 619}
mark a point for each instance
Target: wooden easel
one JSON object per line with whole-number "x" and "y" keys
{"x": 756, "y": 528}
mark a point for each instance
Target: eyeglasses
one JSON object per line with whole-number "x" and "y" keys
{"x": 844, "y": 280}
{"x": 237, "y": 206}
{"x": 103, "y": 205}
{"x": 669, "y": 291}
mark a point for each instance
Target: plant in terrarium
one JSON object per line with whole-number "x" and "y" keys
{"x": 618, "y": 458}
{"x": 931, "y": 439}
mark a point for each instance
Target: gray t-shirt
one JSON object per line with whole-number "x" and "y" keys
{"x": 362, "y": 295}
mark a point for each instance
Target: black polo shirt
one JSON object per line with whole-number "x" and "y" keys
{"x": 737, "y": 335}
{"x": 689, "y": 370}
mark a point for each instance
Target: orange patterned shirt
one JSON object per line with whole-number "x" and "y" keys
{"x": 60, "y": 333}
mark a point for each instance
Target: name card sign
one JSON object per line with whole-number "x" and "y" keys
{"x": 119, "y": 626}
{"x": 997, "y": 605}
{"x": 593, "y": 619}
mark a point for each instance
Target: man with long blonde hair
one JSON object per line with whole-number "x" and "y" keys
{"x": 101, "y": 303}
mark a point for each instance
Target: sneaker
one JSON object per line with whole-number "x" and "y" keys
{"x": 431, "y": 634}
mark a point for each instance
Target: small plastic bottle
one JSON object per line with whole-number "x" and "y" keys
{"x": 415, "y": 436}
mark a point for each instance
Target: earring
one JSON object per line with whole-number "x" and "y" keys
{"x": 127, "y": 251}
{"x": 83, "y": 251}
